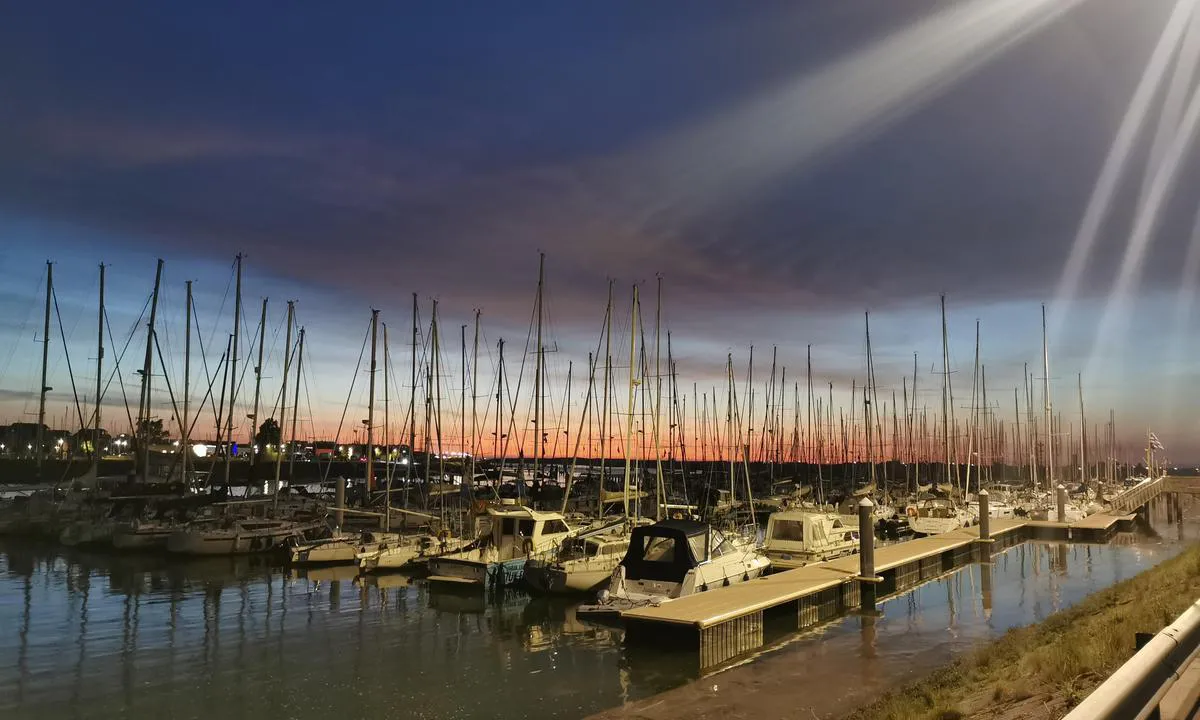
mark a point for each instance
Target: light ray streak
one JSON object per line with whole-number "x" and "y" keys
{"x": 727, "y": 158}
{"x": 1116, "y": 160}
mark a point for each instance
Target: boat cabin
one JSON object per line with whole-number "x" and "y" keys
{"x": 667, "y": 550}
{"x": 799, "y": 531}
{"x": 935, "y": 509}
{"x": 518, "y": 531}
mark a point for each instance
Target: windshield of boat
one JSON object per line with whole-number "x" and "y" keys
{"x": 720, "y": 546}
{"x": 659, "y": 549}
{"x": 789, "y": 530}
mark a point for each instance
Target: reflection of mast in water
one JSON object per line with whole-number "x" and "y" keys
{"x": 84, "y": 589}
{"x": 951, "y": 612}
{"x": 129, "y": 629}
{"x": 212, "y": 625}
{"x": 335, "y": 595}
{"x": 23, "y": 650}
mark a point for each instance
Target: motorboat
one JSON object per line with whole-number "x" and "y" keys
{"x": 795, "y": 538}
{"x": 677, "y": 558}
{"x": 497, "y": 559}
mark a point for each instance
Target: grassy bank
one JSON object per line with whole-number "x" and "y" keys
{"x": 1043, "y": 670}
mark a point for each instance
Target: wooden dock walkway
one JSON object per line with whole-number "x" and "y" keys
{"x": 729, "y": 621}
{"x": 721, "y": 604}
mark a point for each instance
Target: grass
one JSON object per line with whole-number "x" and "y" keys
{"x": 1061, "y": 659}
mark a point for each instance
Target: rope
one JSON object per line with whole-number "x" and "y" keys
{"x": 70, "y": 371}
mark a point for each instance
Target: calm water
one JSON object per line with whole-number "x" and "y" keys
{"x": 144, "y": 637}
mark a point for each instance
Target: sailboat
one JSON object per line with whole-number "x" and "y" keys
{"x": 585, "y": 561}
{"x": 936, "y": 515}
{"x": 237, "y": 535}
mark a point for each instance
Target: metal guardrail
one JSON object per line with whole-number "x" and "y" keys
{"x": 1137, "y": 687}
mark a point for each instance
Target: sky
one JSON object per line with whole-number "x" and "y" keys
{"x": 785, "y": 167}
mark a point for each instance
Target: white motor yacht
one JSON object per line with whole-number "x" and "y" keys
{"x": 673, "y": 559}
{"x": 795, "y": 538}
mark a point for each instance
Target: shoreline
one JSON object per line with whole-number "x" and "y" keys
{"x": 1048, "y": 668}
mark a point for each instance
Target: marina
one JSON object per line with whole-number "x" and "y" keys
{"x": 530, "y": 362}
{"x": 143, "y": 635}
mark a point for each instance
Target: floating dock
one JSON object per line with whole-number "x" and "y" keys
{"x": 726, "y": 622}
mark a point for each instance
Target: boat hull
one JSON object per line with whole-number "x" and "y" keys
{"x": 485, "y": 575}
{"x": 557, "y": 580}
{"x": 392, "y": 558}
{"x": 331, "y": 552}
{"x": 141, "y": 540}
{"x": 227, "y": 543}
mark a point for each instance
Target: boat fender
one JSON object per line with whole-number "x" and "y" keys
{"x": 745, "y": 576}
{"x": 726, "y": 583}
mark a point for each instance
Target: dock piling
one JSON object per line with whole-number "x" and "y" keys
{"x": 1062, "y": 503}
{"x": 985, "y": 523}
{"x": 866, "y": 555}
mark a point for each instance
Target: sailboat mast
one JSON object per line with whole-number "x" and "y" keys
{"x": 254, "y": 425}
{"x": 370, "y": 421}
{"x": 462, "y": 402}
{"x": 41, "y": 427}
{"x": 945, "y": 390}
{"x": 147, "y": 371}
{"x": 500, "y": 409}
{"x": 538, "y": 429}
{"x": 474, "y": 395}
{"x": 1083, "y": 465}
{"x": 429, "y": 380}
{"x": 732, "y": 436}
{"x": 96, "y": 454}
{"x": 187, "y": 379}
{"x": 633, "y": 314}
{"x": 388, "y": 462}
{"x": 868, "y": 418}
{"x": 296, "y": 404}
{"x": 604, "y": 417}
{"x": 1049, "y": 406}
{"x": 287, "y": 370}
{"x": 660, "y": 489}
{"x": 233, "y": 358}
{"x": 972, "y": 447}
{"x": 412, "y": 407}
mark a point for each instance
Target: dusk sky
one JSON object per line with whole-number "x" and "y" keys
{"x": 785, "y": 166}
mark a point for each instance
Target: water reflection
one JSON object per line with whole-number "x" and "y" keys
{"x": 147, "y": 636}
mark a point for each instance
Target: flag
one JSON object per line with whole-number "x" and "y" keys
{"x": 1154, "y": 443}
